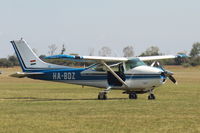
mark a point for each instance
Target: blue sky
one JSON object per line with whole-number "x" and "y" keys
{"x": 172, "y": 25}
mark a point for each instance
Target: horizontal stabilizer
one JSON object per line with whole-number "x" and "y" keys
{"x": 24, "y": 74}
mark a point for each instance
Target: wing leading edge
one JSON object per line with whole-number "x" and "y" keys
{"x": 112, "y": 59}
{"x": 87, "y": 58}
{"x": 162, "y": 57}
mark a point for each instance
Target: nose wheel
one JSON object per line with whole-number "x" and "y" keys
{"x": 151, "y": 95}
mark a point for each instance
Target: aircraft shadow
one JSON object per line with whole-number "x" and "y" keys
{"x": 56, "y": 99}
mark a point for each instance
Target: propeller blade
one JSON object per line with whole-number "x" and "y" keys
{"x": 166, "y": 72}
{"x": 172, "y": 79}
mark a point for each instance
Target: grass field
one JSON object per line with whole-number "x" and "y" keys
{"x": 31, "y": 106}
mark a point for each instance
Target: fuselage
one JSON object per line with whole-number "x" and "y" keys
{"x": 141, "y": 78}
{"x": 129, "y": 74}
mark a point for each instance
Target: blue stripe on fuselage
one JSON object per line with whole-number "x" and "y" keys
{"x": 75, "y": 74}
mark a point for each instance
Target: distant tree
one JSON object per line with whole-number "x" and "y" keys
{"x": 153, "y": 50}
{"x": 52, "y": 49}
{"x": 13, "y": 60}
{"x": 195, "y": 51}
{"x": 128, "y": 51}
{"x": 5, "y": 63}
{"x": 194, "y": 61}
{"x": 73, "y": 54}
{"x": 105, "y": 51}
{"x": 63, "y": 49}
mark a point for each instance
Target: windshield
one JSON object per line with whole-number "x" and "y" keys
{"x": 134, "y": 63}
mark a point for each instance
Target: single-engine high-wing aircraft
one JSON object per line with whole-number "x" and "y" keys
{"x": 131, "y": 75}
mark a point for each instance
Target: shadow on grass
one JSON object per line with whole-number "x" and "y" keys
{"x": 54, "y": 99}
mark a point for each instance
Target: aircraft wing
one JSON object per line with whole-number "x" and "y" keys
{"x": 162, "y": 57}
{"x": 87, "y": 58}
{"x": 112, "y": 59}
{"x": 25, "y": 74}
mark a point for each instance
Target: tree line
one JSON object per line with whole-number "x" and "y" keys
{"x": 128, "y": 51}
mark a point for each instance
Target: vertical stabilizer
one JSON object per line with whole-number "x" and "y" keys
{"x": 28, "y": 60}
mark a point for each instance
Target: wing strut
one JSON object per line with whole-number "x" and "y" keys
{"x": 116, "y": 76}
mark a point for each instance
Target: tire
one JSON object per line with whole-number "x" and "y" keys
{"x": 99, "y": 97}
{"x": 151, "y": 97}
{"x": 104, "y": 97}
{"x": 132, "y": 96}
{"x": 135, "y": 96}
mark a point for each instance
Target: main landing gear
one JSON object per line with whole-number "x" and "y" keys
{"x": 103, "y": 94}
{"x": 132, "y": 95}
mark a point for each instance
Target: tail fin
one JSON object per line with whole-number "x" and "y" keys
{"x": 28, "y": 60}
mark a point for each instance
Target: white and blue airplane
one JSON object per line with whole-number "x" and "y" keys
{"x": 131, "y": 75}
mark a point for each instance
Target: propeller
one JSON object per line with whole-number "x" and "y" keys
{"x": 165, "y": 72}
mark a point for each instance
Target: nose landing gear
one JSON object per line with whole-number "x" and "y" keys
{"x": 151, "y": 95}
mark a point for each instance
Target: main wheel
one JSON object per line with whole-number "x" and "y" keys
{"x": 151, "y": 97}
{"x": 99, "y": 98}
{"x": 102, "y": 96}
{"x": 132, "y": 96}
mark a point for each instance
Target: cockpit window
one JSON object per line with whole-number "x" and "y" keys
{"x": 134, "y": 63}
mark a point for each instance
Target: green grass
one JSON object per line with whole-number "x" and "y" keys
{"x": 31, "y": 106}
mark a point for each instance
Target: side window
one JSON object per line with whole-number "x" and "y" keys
{"x": 100, "y": 68}
{"x": 121, "y": 68}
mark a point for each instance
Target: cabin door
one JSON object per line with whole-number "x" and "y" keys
{"x": 112, "y": 80}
